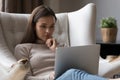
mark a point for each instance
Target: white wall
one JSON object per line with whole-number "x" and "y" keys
{"x": 63, "y": 5}
{"x": 106, "y": 8}
{"x": 54, "y": 4}
{"x": 69, "y": 5}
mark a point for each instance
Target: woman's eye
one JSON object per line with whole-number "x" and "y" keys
{"x": 52, "y": 26}
{"x": 43, "y": 26}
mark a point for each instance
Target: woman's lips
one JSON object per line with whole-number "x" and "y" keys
{"x": 47, "y": 37}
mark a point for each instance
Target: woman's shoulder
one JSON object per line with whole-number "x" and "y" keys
{"x": 24, "y": 45}
{"x": 22, "y": 50}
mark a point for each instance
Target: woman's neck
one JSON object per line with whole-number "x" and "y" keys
{"x": 40, "y": 41}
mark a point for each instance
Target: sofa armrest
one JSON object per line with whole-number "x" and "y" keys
{"x": 108, "y": 69}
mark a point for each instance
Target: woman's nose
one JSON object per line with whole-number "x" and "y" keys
{"x": 47, "y": 30}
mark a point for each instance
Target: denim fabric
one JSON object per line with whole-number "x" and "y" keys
{"x": 75, "y": 74}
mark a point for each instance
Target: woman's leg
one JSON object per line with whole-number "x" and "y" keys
{"x": 75, "y": 74}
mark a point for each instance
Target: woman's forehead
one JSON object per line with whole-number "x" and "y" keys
{"x": 46, "y": 20}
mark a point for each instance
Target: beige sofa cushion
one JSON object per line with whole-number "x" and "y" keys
{"x": 6, "y": 57}
{"x": 13, "y": 26}
{"x": 61, "y": 29}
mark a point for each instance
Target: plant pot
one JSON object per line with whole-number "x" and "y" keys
{"x": 109, "y": 35}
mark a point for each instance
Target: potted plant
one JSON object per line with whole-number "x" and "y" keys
{"x": 109, "y": 29}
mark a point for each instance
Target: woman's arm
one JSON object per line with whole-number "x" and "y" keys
{"x": 23, "y": 51}
{"x": 38, "y": 78}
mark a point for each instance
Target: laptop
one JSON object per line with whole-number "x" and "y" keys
{"x": 80, "y": 57}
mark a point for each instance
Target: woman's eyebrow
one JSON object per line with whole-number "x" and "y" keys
{"x": 53, "y": 24}
{"x": 44, "y": 24}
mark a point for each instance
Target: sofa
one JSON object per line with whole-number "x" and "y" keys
{"x": 72, "y": 28}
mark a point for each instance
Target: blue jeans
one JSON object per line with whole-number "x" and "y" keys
{"x": 75, "y": 74}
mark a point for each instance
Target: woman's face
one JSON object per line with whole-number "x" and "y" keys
{"x": 45, "y": 27}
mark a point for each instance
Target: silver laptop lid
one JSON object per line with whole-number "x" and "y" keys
{"x": 79, "y": 57}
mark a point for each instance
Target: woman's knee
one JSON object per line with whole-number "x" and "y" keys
{"x": 70, "y": 71}
{"x": 67, "y": 75}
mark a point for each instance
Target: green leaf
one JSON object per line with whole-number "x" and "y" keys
{"x": 109, "y": 22}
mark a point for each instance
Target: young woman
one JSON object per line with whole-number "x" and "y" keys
{"x": 38, "y": 46}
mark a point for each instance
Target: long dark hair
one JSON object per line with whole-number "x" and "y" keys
{"x": 40, "y": 11}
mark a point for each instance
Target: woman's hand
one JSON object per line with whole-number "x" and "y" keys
{"x": 52, "y": 76}
{"x": 51, "y": 43}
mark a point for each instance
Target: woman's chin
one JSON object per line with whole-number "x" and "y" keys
{"x": 46, "y": 39}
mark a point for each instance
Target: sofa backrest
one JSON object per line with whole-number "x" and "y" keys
{"x": 13, "y": 27}
{"x": 82, "y": 26}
